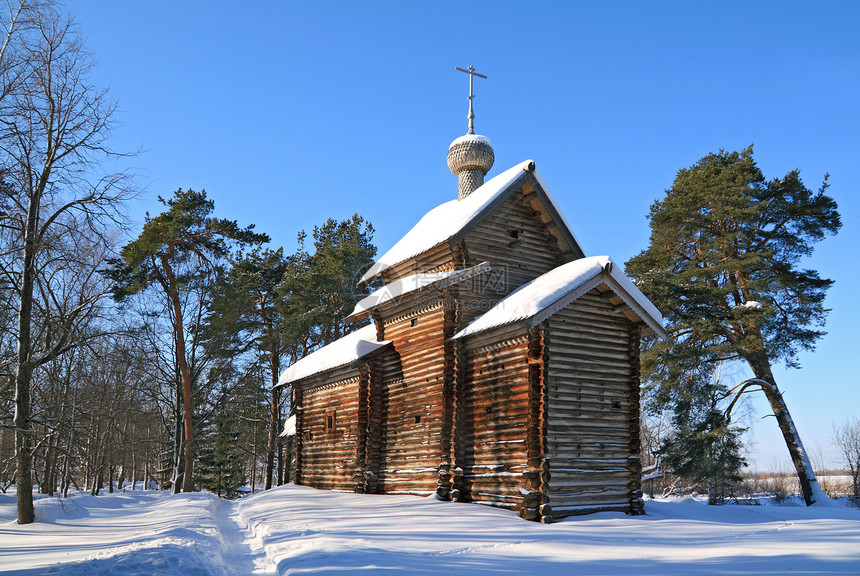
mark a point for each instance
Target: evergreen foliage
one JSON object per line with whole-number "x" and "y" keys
{"x": 186, "y": 237}
{"x": 319, "y": 290}
{"x": 180, "y": 248}
{"x": 703, "y": 447}
{"x": 244, "y": 317}
{"x": 221, "y": 458}
{"x": 724, "y": 266}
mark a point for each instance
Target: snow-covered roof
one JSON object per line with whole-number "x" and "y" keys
{"x": 339, "y": 353}
{"x": 412, "y": 283}
{"x": 546, "y": 294}
{"x": 450, "y": 218}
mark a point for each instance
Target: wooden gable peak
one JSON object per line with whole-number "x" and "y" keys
{"x": 539, "y": 299}
{"x": 451, "y": 221}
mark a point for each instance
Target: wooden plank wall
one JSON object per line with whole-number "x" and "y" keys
{"x": 328, "y": 455}
{"x": 532, "y": 253}
{"x": 437, "y": 259}
{"x": 411, "y": 432}
{"x": 495, "y": 405}
{"x": 385, "y": 371}
{"x": 593, "y": 389}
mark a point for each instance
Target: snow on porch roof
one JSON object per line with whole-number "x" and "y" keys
{"x": 289, "y": 427}
{"x": 412, "y": 283}
{"x": 450, "y": 218}
{"x": 559, "y": 287}
{"x": 339, "y": 353}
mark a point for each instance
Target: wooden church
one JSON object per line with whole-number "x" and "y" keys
{"x": 501, "y": 365}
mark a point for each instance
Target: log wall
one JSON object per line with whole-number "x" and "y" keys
{"x": 494, "y": 406}
{"x": 437, "y": 259}
{"x": 411, "y": 432}
{"x": 329, "y": 431}
{"x": 516, "y": 244}
{"x": 591, "y": 358}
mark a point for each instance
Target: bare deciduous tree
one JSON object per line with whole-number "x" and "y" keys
{"x": 847, "y": 439}
{"x": 53, "y": 129}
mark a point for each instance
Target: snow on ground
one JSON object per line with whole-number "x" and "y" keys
{"x": 298, "y": 530}
{"x": 128, "y": 533}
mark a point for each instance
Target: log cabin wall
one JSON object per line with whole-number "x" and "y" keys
{"x": 592, "y": 379}
{"x": 437, "y": 259}
{"x": 515, "y": 242}
{"x": 385, "y": 372}
{"x": 493, "y": 433}
{"x": 329, "y": 429}
{"x": 411, "y": 432}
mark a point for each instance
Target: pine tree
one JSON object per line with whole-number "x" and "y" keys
{"x": 703, "y": 447}
{"x": 319, "y": 290}
{"x": 221, "y": 457}
{"x": 723, "y": 265}
{"x": 244, "y": 316}
{"x": 174, "y": 250}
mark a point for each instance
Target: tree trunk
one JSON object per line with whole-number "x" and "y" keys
{"x": 49, "y": 483}
{"x": 182, "y": 360}
{"x": 288, "y": 460}
{"x": 66, "y": 463}
{"x": 274, "y": 413}
{"x": 805, "y": 474}
{"x": 24, "y": 371}
{"x": 133, "y": 470}
{"x": 23, "y": 455}
{"x": 177, "y": 439}
{"x": 280, "y": 461}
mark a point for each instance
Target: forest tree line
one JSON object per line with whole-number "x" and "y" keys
{"x": 151, "y": 355}
{"x": 127, "y": 354}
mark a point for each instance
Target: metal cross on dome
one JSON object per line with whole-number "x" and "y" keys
{"x": 471, "y": 72}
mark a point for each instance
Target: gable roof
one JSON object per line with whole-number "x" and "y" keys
{"x": 545, "y": 295}
{"x": 452, "y": 220}
{"x": 341, "y": 352}
{"x": 412, "y": 283}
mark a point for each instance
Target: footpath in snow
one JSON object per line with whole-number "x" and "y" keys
{"x": 297, "y": 530}
{"x": 127, "y": 533}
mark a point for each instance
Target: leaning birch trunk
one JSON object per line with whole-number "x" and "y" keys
{"x": 805, "y": 474}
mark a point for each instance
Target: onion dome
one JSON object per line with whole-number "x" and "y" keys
{"x": 470, "y": 157}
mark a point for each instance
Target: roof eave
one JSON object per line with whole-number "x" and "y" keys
{"x": 349, "y": 364}
{"x": 602, "y": 277}
{"x": 555, "y": 215}
{"x": 456, "y": 277}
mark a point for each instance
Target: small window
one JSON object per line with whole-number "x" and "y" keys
{"x": 516, "y": 240}
{"x": 331, "y": 421}
{"x": 418, "y": 419}
{"x": 414, "y": 322}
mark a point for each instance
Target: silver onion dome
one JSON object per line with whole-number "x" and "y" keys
{"x": 470, "y": 157}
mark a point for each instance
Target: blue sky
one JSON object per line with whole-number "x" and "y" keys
{"x": 289, "y": 113}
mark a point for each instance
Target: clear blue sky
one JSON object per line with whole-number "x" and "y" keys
{"x": 288, "y": 113}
